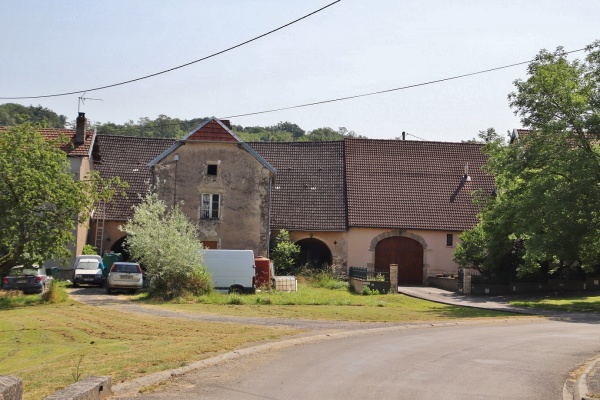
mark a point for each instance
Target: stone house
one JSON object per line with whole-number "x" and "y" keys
{"x": 220, "y": 183}
{"x": 357, "y": 202}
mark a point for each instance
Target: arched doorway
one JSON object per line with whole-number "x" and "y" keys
{"x": 405, "y": 252}
{"x": 117, "y": 247}
{"x": 313, "y": 254}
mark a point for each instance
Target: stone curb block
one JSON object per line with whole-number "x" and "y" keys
{"x": 90, "y": 388}
{"x": 129, "y": 388}
{"x": 11, "y": 388}
{"x": 580, "y": 389}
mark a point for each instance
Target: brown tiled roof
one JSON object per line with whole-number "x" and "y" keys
{"x": 413, "y": 185}
{"x": 128, "y": 158}
{"x": 308, "y": 193}
{"x": 211, "y": 131}
{"x": 69, "y": 147}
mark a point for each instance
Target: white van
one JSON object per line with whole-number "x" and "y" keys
{"x": 89, "y": 270}
{"x": 231, "y": 270}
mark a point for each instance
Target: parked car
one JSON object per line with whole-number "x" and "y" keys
{"x": 124, "y": 276}
{"x": 88, "y": 270}
{"x": 27, "y": 279}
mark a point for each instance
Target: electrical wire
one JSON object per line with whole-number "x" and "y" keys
{"x": 367, "y": 94}
{"x": 178, "y": 67}
{"x": 388, "y": 90}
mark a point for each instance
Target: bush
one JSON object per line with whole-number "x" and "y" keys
{"x": 56, "y": 293}
{"x": 284, "y": 254}
{"x": 323, "y": 278}
{"x": 175, "y": 283}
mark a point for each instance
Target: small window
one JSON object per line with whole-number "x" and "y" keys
{"x": 449, "y": 239}
{"x": 210, "y": 206}
{"x": 211, "y": 169}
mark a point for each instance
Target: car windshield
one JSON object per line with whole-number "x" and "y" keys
{"x": 131, "y": 268}
{"x": 88, "y": 264}
{"x": 22, "y": 271}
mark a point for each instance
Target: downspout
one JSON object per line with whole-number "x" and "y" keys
{"x": 269, "y": 219}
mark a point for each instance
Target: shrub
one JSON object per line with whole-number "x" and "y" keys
{"x": 56, "y": 293}
{"x": 284, "y": 254}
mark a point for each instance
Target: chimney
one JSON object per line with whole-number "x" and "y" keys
{"x": 403, "y": 135}
{"x": 226, "y": 123}
{"x": 80, "y": 129}
{"x": 466, "y": 176}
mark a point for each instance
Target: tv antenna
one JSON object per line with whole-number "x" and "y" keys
{"x": 82, "y": 100}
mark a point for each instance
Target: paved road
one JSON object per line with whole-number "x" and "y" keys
{"x": 523, "y": 360}
{"x": 509, "y": 359}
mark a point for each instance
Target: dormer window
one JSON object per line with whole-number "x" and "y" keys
{"x": 212, "y": 169}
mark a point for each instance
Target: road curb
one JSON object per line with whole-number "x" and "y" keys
{"x": 580, "y": 388}
{"x": 130, "y": 388}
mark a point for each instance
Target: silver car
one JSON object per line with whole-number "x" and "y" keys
{"x": 124, "y": 276}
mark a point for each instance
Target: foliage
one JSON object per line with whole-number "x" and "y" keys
{"x": 12, "y": 114}
{"x": 56, "y": 293}
{"x": 284, "y": 254}
{"x": 89, "y": 250}
{"x": 41, "y": 202}
{"x": 545, "y": 214}
{"x": 164, "y": 242}
{"x": 323, "y": 278}
{"x": 161, "y": 127}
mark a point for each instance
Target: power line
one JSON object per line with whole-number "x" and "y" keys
{"x": 365, "y": 94}
{"x": 389, "y": 90}
{"x": 178, "y": 67}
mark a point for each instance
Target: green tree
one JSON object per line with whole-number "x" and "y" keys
{"x": 546, "y": 212}
{"x": 165, "y": 242}
{"x": 284, "y": 254}
{"x": 41, "y": 202}
{"x": 12, "y": 114}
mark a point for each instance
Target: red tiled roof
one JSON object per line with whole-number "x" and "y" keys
{"x": 413, "y": 185}
{"x": 69, "y": 147}
{"x": 308, "y": 193}
{"x": 211, "y": 132}
{"x": 126, "y": 157}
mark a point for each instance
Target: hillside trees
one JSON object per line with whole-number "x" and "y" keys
{"x": 41, "y": 203}
{"x": 546, "y": 212}
{"x": 12, "y": 114}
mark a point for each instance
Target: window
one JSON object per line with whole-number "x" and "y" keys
{"x": 449, "y": 239}
{"x": 210, "y": 205}
{"x": 211, "y": 169}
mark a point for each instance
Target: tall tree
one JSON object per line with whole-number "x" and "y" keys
{"x": 41, "y": 203}
{"x": 13, "y": 114}
{"x": 547, "y": 208}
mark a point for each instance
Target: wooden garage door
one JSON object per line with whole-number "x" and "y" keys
{"x": 405, "y": 252}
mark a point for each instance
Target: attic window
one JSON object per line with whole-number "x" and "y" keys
{"x": 449, "y": 239}
{"x": 212, "y": 169}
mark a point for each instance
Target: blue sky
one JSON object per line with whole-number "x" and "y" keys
{"x": 353, "y": 47}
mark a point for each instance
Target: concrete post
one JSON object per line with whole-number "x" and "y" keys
{"x": 394, "y": 278}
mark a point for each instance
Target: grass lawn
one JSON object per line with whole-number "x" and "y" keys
{"x": 49, "y": 345}
{"x": 311, "y": 302}
{"x": 568, "y": 303}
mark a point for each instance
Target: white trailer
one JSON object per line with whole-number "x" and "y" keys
{"x": 231, "y": 270}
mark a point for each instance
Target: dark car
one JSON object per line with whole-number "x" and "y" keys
{"x": 27, "y": 279}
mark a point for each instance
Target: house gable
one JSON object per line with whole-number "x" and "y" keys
{"x": 212, "y": 130}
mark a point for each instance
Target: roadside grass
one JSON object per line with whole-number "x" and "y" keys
{"x": 50, "y": 345}
{"x": 311, "y": 302}
{"x": 567, "y": 303}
